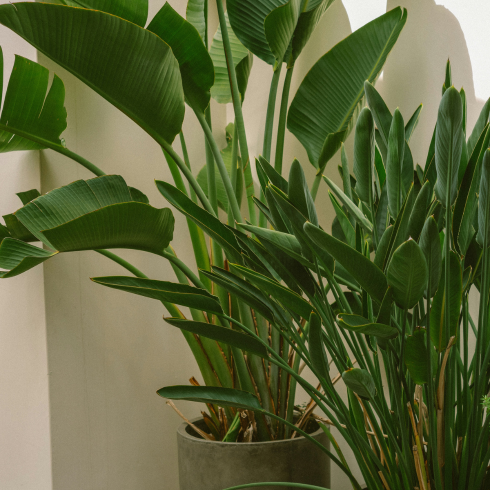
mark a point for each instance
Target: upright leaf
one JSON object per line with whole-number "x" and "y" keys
{"x": 364, "y": 146}
{"x": 416, "y": 356}
{"x": 196, "y": 16}
{"x": 299, "y": 192}
{"x": 315, "y": 346}
{"x": 431, "y": 248}
{"x": 481, "y": 122}
{"x": 396, "y": 150}
{"x": 484, "y": 204}
{"x": 412, "y": 122}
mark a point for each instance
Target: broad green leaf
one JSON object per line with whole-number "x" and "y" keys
{"x": 299, "y": 192}
{"x": 221, "y": 91}
{"x": 345, "y": 173}
{"x": 28, "y": 196}
{"x": 484, "y": 204}
{"x": 479, "y": 127}
{"x": 180, "y": 294}
{"x": 227, "y": 336}
{"x": 351, "y": 207}
{"x": 412, "y": 123}
{"x": 431, "y": 248}
{"x": 384, "y": 314}
{"x": 360, "y": 382}
{"x": 396, "y": 151}
{"x": 449, "y": 144}
{"x": 188, "y": 47}
{"x": 384, "y": 247}
{"x": 381, "y": 114}
{"x": 195, "y": 14}
{"x": 211, "y": 225}
{"x": 16, "y": 229}
{"x": 438, "y": 327}
{"x": 347, "y": 228}
{"x": 328, "y": 99}
{"x": 136, "y": 11}
{"x": 315, "y": 347}
{"x": 266, "y": 172}
{"x": 356, "y": 323}
{"x": 467, "y": 200}
{"x": 94, "y": 214}
{"x": 289, "y": 299}
{"x": 129, "y": 66}
{"x": 407, "y": 274}
{"x": 364, "y": 146}
{"x": 223, "y": 397}
{"x": 416, "y": 356}
{"x": 32, "y": 116}
{"x": 382, "y": 217}
{"x": 419, "y": 211}
{"x": 368, "y": 275}
{"x": 17, "y": 257}
{"x": 243, "y": 70}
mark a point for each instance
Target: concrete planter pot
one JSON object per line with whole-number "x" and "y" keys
{"x": 209, "y": 465}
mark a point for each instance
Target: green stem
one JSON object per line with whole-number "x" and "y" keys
{"x": 281, "y": 129}
{"x": 181, "y": 265}
{"x": 234, "y": 172}
{"x": 237, "y": 106}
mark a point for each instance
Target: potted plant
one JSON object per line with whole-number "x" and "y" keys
{"x": 149, "y": 74}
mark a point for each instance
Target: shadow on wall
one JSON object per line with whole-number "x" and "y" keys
{"x": 415, "y": 71}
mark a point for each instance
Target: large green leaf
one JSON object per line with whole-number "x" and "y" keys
{"x": 17, "y": 257}
{"x": 396, "y": 151}
{"x": 129, "y": 66}
{"x": 360, "y": 382}
{"x": 299, "y": 192}
{"x": 223, "y": 397}
{"x": 94, "y": 214}
{"x": 196, "y": 16}
{"x": 479, "y": 127}
{"x": 449, "y": 145}
{"x": 419, "y": 211}
{"x": 416, "y": 356}
{"x": 431, "y": 248}
{"x": 180, "y": 294}
{"x": 328, "y": 99}
{"x": 242, "y": 60}
{"x": 30, "y": 116}
{"x": 438, "y": 322}
{"x": 368, "y": 275}
{"x": 364, "y": 146}
{"x": 135, "y": 11}
{"x": 188, "y": 47}
{"x": 227, "y": 336}
{"x": 407, "y": 274}
{"x": 358, "y": 324}
{"x": 484, "y": 204}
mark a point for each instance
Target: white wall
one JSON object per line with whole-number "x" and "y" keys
{"x": 108, "y": 351}
{"x": 25, "y": 455}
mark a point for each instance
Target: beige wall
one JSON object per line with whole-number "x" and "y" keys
{"x": 108, "y": 351}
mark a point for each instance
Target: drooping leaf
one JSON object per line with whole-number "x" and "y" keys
{"x": 356, "y": 323}
{"x": 360, "y": 382}
{"x": 221, "y": 91}
{"x": 448, "y": 145}
{"x": 101, "y": 50}
{"x": 364, "y": 146}
{"x": 188, "y": 47}
{"x": 431, "y": 248}
{"x": 94, "y": 214}
{"x": 416, "y": 356}
{"x": 484, "y": 204}
{"x": 407, "y": 274}
{"x": 438, "y": 326}
{"x": 196, "y": 16}
{"x": 180, "y": 294}
{"x": 227, "y": 336}
{"x": 328, "y": 98}
{"x": 223, "y": 397}
{"x": 396, "y": 151}
{"x": 315, "y": 346}
{"x": 32, "y": 116}
{"x": 368, "y": 275}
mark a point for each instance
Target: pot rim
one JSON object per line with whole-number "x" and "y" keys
{"x": 182, "y": 432}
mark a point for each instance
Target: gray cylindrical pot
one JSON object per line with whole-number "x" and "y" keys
{"x": 210, "y": 465}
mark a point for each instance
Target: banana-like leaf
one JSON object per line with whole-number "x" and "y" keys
{"x": 364, "y": 156}
{"x": 188, "y": 47}
{"x": 242, "y": 60}
{"x": 484, "y": 204}
{"x": 360, "y": 382}
{"x": 407, "y": 274}
{"x": 299, "y": 192}
{"x": 32, "y": 115}
{"x": 479, "y": 127}
{"x": 396, "y": 151}
{"x": 383, "y": 249}
{"x": 431, "y": 247}
{"x": 196, "y": 16}
{"x": 180, "y": 294}
{"x": 449, "y": 145}
{"x": 28, "y": 196}
{"x": 129, "y": 66}
{"x": 289, "y": 299}
{"x": 16, "y": 229}
{"x": 416, "y": 356}
{"x": 17, "y": 257}
{"x": 381, "y": 114}
{"x": 328, "y": 99}
{"x": 227, "y": 336}
{"x": 211, "y": 225}
{"x": 136, "y": 11}
{"x": 266, "y": 173}
{"x": 368, "y": 275}
{"x": 315, "y": 346}
{"x": 419, "y": 211}
{"x": 356, "y": 323}
{"x": 94, "y": 214}
{"x": 412, "y": 122}
{"x": 223, "y": 397}
{"x": 438, "y": 322}
{"x": 347, "y": 228}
